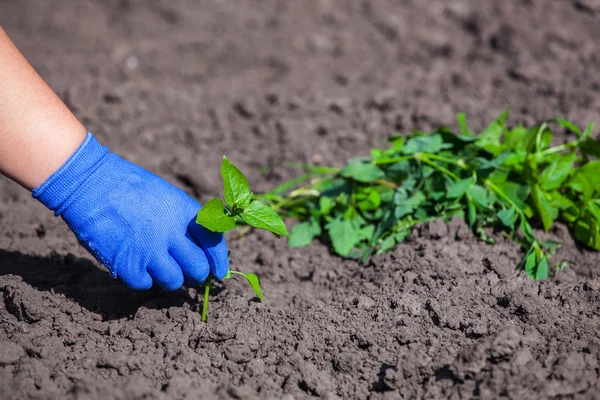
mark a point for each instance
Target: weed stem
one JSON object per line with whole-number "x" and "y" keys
{"x": 393, "y": 160}
{"x": 439, "y": 167}
{"x": 559, "y": 148}
{"x": 502, "y": 195}
{"x": 446, "y": 160}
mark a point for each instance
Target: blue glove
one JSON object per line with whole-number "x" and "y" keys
{"x": 138, "y": 225}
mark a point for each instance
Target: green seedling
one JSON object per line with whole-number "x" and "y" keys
{"x": 240, "y": 208}
{"x": 511, "y": 179}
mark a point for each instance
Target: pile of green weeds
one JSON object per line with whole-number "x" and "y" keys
{"x": 509, "y": 178}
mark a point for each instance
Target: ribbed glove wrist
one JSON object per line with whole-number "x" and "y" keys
{"x": 61, "y": 185}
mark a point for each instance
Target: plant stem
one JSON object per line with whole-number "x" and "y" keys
{"x": 538, "y": 136}
{"x": 384, "y": 182}
{"x": 243, "y": 231}
{"x": 314, "y": 168}
{"x": 502, "y": 195}
{"x": 444, "y": 159}
{"x": 439, "y": 167}
{"x": 393, "y": 160}
{"x": 205, "y": 304}
{"x": 417, "y": 157}
{"x": 559, "y": 148}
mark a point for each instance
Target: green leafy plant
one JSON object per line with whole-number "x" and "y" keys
{"x": 510, "y": 179}
{"x": 239, "y": 208}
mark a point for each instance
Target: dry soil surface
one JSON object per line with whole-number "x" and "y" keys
{"x": 174, "y": 85}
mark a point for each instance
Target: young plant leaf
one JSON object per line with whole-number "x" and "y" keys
{"x": 261, "y": 216}
{"x": 212, "y": 216}
{"x": 253, "y": 281}
{"x": 236, "y": 189}
{"x": 238, "y": 196}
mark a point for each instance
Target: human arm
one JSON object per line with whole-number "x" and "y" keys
{"x": 38, "y": 133}
{"x": 138, "y": 225}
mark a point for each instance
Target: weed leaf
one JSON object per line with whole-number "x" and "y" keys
{"x": 508, "y": 217}
{"x": 544, "y": 208}
{"x": 569, "y": 125}
{"x": 480, "y": 195}
{"x": 508, "y": 178}
{"x": 542, "y": 269}
{"x": 343, "y": 236}
{"x": 559, "y": 169}
{"x": 362, "y": 172}
{"x": 418, "y": 144}
{"x": 407, "y": 206}
{"x": 489, "y": 139}
{"x": 458, "y": 189}
{"x": 303, "y": 234}
{"x": 326, "y": 204}
{"x": 464, "y": 127}
{"x": 531, "y": 264}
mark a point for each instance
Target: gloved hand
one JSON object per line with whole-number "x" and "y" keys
{"x": 138, "y": 225}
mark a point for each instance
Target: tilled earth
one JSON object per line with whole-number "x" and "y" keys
{"x": 174, "y": 85}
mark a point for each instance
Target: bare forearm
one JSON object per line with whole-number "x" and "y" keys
{"x": 38, "y": 133}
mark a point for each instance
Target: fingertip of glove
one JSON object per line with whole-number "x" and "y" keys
{"x": 172, "y": 286}
{"x": 171, "y": 282}
{"x": 166, "y": 272}
{"x": 192, "y": 260}
{"x": 215, "y": 248}
{"x": 218, "y": 258}
{"x": 143, "y": 282}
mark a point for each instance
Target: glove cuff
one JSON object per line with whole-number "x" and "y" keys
{"x": 55, "y": 192}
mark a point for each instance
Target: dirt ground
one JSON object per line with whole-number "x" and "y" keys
{"x": 174, "y": 85}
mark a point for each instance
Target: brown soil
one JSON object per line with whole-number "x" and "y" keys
{"x": 174, "y": 85}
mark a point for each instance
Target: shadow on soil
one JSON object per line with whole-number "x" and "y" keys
{"x": 86, "y": 284}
